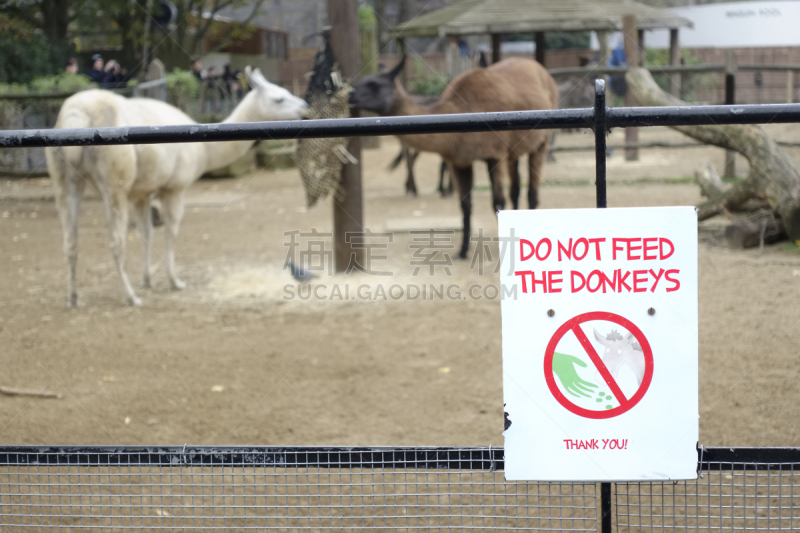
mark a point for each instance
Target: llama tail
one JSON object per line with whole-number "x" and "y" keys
{"x": 397, "y": 160}
{"x": 65, "y": 160}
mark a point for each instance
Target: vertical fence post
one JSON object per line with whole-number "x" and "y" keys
{"x": 600, "y": 184}
{"x": 600, "y": 141}
{"x": 541, "y": 48}
{"x": 605, "y": 507}
{"x": 631, "y": 44}
{"x": 348, "y": 213}
{"x": 675, "y": 60}
{"x": 730, "y": 99}
{"x": 497, "y": 40}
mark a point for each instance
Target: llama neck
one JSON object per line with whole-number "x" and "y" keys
{"x": 219, "y": 154}
{"x": 439, "y": 143}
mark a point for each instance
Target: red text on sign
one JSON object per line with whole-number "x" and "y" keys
{"x": 616, "y": 281}
{"x": 596, "y": 444}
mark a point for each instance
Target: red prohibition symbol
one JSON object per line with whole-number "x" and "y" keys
{"x": 573, "y": 325}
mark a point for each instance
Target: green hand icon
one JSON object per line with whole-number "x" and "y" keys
{"x": 563, "y": 367}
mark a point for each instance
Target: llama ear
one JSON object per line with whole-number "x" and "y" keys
{"x": 248, "y": 75}
{"x": 255, "y": 79}
{"x": 398, "y": 68}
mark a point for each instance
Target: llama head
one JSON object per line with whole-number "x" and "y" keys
{"x": 376, "y": 93}
{"x": 271, "y": 102}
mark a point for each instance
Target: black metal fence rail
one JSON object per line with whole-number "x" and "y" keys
{"x": 401, "y": 457}
{"x": 467, "y": 122}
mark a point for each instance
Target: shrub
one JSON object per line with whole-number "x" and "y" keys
{"x": 182, "y": 86}
{"x": 428, "y": 84}
{"x": 58, "y": 83}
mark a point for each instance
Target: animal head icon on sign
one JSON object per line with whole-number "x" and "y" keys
{"x": 621, "y": 351}
{"x": 572, "y": 362}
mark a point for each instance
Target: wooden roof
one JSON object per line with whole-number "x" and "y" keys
{"x": 526, "y": 16}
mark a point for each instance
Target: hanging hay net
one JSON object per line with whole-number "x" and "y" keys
{"x": 320, "y": 160}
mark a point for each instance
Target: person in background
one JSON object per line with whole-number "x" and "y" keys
{"x": 618, "y": 85}
{"x": 72, "y": 66}
{"x": 113, "y": 75}
{"x": 197, "y": 70}
{"x": 228, "y": 80}
{"x": 96, "y": 73}
{"x": 125, "y": 75}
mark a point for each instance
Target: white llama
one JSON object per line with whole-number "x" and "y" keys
{"x": 126, "y": 174}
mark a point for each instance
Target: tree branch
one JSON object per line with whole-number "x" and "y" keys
{"x": 774, "y": 176}
{"x": 233, "y": 27}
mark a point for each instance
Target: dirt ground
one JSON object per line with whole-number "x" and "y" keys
{"x": 230, "y": 361}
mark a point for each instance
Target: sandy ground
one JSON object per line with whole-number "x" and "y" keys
{"x": 229, "y": 361}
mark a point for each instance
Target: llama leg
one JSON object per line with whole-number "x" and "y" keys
{"x": 411, "y": 158}
{"x": 117, "y": 211}
{"x": 69, "y": 191}
{"x": 535, "y": 164}
{"x": 463, "y": 178}
{"x": 496, "y": 178}
{"x": 144, "y": 210}
{"x": 513, "y": 171}
{"x": 444, "y": 170}
{"x": 550, "y": 156}
{"x": 450, "y": 188}
{"x": 172, "y": 203}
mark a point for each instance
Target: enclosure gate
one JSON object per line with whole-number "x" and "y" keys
{"x": 189, "y": 488}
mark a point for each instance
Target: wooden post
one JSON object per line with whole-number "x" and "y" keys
{"x": 451, "y": 56}
{"x": 401, "y": 51}
{"x": 631, "y": 45}
{"x": 368, "y": 39}
{"x": 789, "y": 86}
{"x": 602, "y": 40}
{"x": 603, "y": 54}
{"x": 541, "y": 47}
{"x": 640, "y": 36}
{"x": 496, "y": 40}
{"x": 674, "y": 59}
{"x": 730, "y": 99}
{"x": 348, "y": 214}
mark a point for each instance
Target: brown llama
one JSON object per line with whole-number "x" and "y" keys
{"x": 511, "y": 85}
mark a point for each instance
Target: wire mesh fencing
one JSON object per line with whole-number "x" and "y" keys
{"x": 757, "y": 493}
{"x": 388, "y": 489}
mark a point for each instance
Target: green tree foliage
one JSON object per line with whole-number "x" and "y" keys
{"x": 51, "y": 25}
{"x": 692, "y": 83}
{"x": 46, "y": 23}
{"x": 23, "y": 58}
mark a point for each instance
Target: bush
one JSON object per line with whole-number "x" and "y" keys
{"x": 427, "y": 84}
{"x": 63, "y": 82}
{"x": 182, "y": 86}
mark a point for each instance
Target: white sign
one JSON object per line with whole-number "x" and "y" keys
{"x": 730, "y": 25}
{"x": 600, "y": 344}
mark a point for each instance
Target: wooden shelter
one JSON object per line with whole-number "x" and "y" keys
{"x": 499, "y": 17}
